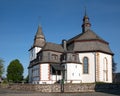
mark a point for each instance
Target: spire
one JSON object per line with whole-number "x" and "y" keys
{"x": 39, "y": 39}
{"x": 85, "y": 12}
{"x": 39, "y": 31}
{"x": 86, "y": 24}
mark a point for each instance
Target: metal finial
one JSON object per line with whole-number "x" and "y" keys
{"x": 85, "y": 11}
{"x": 39, "y": 23}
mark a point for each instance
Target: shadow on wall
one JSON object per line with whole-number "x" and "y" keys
{"x": 108, "y": 88}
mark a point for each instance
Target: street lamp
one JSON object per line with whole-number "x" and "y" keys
{"x": 62, "y": 81}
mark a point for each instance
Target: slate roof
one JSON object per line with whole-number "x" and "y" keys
{"x": 39, "y": 38}
{"x": 53, "y": 47}
{"x": 88, "y": 35}
{"x": 39, "y": 31}
{"x": 89, "y": 41}
{"x": 92, "y": 46}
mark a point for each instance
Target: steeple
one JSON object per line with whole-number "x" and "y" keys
{"x": 86, "y": 24}
{"x": 39, "y": 40}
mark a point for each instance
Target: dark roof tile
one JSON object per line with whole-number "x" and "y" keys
{"x": 89, "y": 41}
{"x": 88, "y": 35}
{"x": 53, "y": 47}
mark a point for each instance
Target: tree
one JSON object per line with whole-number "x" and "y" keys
{"x": 27, "y": 79}
{"x": 1, "y": 67}
{"x": 15, "y": 71}
{"x": 114, "y": 64}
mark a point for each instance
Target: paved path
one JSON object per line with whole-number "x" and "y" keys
{"x": 8, "y": 92}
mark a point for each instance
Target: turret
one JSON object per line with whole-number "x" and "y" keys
{"x": 39, "y": 42}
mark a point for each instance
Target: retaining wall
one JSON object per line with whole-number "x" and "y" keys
{"x": 67, "y": 87}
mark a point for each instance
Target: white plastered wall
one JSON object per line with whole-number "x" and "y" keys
{"x": 45, "y": 73}
{"x": 33, "y": 53}
{"x": 73, "y": 73}
{"x": 102, "y": 68}
{"x": 90, "y": 77}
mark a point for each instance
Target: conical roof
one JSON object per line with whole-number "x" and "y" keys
{"x": 39, "y": 40}
{"x": 39, "y": 31}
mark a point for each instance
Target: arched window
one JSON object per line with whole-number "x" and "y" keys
{"x": 105, "y": 69}
{"x": 85, "y": 65}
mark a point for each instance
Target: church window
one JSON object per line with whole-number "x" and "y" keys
{"x": 69, "y": 57}
{"x": 85, "y": 65}
{"x": 105, "y": 70}
{"x": 54, "y": 57}
{"x": 74, "y": 57}
{"x": 49, "y": 56}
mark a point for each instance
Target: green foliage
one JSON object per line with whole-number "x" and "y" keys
{"x": 5, "y": 81}
{"x": 1, "y": 67}
{"x": 15, "y": 71}
{"x": 114, "y": 64}
{"x": 27, "y": 79}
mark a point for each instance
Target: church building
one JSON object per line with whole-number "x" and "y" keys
{"x": 85, "y": 58}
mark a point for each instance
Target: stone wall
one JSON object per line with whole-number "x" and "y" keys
{"x": 102, "y": 87}
{"x": 79, "y": 87}
{"x": 35, "y": 87}
{"x": 67, "y": 87}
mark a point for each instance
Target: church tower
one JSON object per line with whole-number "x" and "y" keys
{"x": 86, "y": 24}
{"x": 39, "y": 42}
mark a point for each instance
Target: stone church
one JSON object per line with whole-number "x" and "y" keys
{"x": 85, "y": 58}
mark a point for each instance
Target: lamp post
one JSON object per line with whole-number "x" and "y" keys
{"x": 62, "y": 81}
{"x": 63, "y": 72}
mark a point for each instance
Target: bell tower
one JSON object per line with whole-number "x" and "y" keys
{"x": 39, "y": 42}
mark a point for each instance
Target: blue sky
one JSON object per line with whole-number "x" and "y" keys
{"x": 60, "y": 19}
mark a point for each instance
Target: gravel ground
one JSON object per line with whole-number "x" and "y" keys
{"x": 8, "y": 92}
